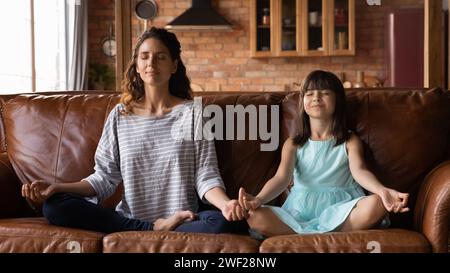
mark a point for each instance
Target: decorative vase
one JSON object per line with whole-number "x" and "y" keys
{"x": 359, "y": 80}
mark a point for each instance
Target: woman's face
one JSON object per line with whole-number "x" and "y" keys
{"x": 319, "y": 104}
{"x": 154, "y": 63}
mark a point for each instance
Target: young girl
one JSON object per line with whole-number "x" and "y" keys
{"x": 162, "y": 175}
{"x": 325, "y": 160}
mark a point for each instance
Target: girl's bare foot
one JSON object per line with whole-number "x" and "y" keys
{"x": 167, "y": 224}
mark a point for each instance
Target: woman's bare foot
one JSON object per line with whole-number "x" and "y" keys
{"x": 167, "y": 224}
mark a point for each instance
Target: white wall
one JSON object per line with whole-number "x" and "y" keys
{"x": 445, "y": 4}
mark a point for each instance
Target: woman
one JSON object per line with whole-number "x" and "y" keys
{"x": 162, "y": 173}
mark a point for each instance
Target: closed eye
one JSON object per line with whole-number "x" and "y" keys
{"x": 160, "y": 56}
{"x": 143, "y": 56}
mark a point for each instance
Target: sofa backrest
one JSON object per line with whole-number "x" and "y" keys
{"x": 54, "y": 137}
{"x": 406, "y": 133}
{"x": 242, "y": 163}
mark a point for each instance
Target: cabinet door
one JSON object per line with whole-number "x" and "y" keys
{"x": 342, "y": 27}
{"x": 288, "y": 25}
{"x": 302, "y": 28}
{"x": 261, "y": 28}
{"x": 315, "y": 21}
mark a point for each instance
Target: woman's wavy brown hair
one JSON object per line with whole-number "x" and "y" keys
{"x": 324, "y": 80}
{"x": 133, "y": 85}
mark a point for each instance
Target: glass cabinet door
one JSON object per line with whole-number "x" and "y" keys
{"x": 262, "y": 11}
{"x": 288, "y": 27}
{"x": 341, "y": 27}
{"x": 315, "y": 38}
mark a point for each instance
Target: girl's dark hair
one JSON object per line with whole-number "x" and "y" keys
{"x": 133, "y": 85}
{"x": 323, "y": 80}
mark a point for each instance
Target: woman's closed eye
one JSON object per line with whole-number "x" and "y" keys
{"x": 161, "y": 56}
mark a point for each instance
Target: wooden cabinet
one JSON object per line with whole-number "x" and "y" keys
{"x": 302, "y": 28}
{"x": 341, "y": 33}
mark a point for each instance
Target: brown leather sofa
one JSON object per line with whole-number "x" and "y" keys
{"x": 53, "y": 136}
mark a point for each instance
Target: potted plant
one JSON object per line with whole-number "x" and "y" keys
{"x": 100, "y": 77}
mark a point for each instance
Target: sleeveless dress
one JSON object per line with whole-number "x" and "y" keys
{"x": 324, "y": 191}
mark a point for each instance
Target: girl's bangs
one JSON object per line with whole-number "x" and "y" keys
{"x": 319, "y": 83}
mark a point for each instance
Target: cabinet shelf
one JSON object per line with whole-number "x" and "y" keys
{"x": 291, "y": 33}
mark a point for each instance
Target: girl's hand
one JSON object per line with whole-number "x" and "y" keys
{"x": 232, "y": 211}
{"x": 38, "y": 191}
{"x": 394, "y": 201}
{"x": 248, "y": 201}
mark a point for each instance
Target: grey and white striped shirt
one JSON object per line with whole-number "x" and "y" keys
{"x": 162, "y": 172}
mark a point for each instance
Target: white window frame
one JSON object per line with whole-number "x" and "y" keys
{"x": 38, "y": 71}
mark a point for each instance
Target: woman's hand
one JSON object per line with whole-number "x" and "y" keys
{"x": 394, "y": 201}
{"x": 38, "y": 191}
{"x": 232, "y": 211}
{"x": 248, "y": 201}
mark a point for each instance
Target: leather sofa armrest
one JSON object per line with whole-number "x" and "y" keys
{"x": 12, "y": 204}
{"x": 432, "y": 212}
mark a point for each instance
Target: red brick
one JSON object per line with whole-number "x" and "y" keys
{"x": 227, "y": 54}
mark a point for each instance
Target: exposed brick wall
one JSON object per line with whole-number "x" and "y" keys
{"x": 221, "y": 61}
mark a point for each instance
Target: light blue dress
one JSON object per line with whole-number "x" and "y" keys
{"x": 324, "y": 191}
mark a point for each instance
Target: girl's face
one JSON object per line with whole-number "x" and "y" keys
{"x": 319, "y": 104}
{"x": 154, "y": 63}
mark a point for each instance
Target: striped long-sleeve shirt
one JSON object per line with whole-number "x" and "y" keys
{"x": 161, "y": 167}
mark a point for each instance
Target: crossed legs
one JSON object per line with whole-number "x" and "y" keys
{"x": 368, "y": 212}
{"x": 69, "y": 210}
{"x": 265, "y": 222}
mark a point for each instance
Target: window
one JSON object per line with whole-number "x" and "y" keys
{"x": 34, "y": 54}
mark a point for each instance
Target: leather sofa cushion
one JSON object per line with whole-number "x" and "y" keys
{"x": 54, "y": 138}
{"x": 377, "y": 241}
{"x": 178, "y": 242}
{"x": 35, "y": 235}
